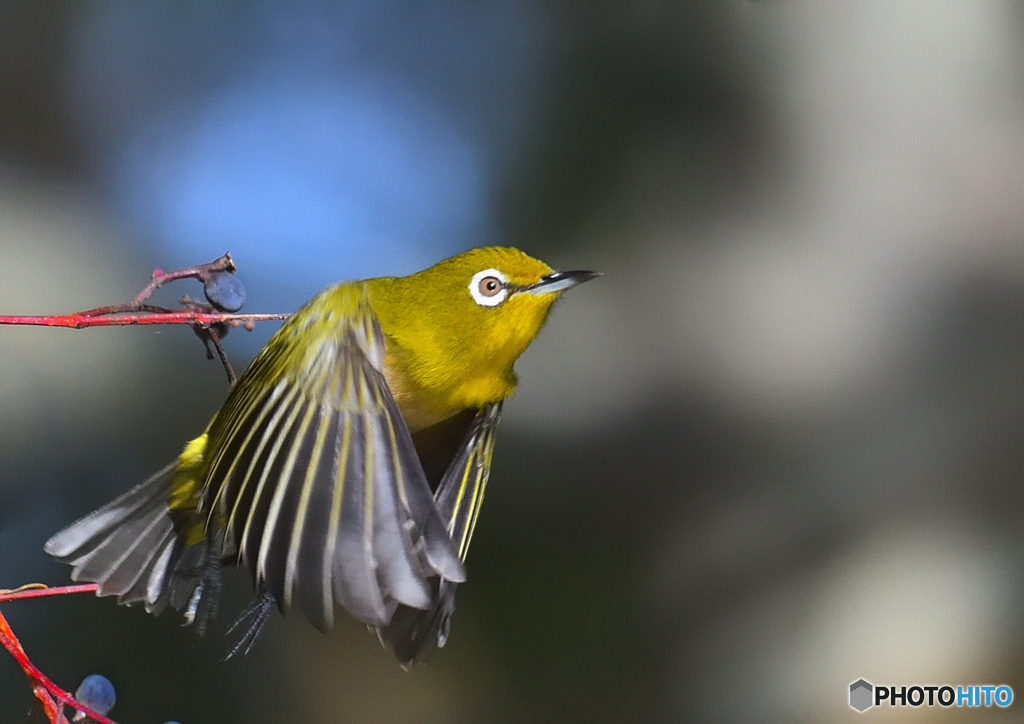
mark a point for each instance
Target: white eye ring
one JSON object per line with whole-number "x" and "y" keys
{"x": 482, "y": 287}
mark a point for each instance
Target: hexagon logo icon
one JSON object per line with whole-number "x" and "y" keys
{"x": 860, "y": 695}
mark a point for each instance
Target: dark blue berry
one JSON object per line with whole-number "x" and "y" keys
{"x": 97, "y": 693}
{"x": 224, "y": 290}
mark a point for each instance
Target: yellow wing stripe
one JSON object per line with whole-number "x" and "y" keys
{"x": 483, "y": 469}
{"x": 250, "y": 430}
{"x": 276, "y": 438}
{"x": 291, "y": 566}
{"x": 277, "y": 501}
{"x": 461, "y": 491}
{"x": 334, "y": 524}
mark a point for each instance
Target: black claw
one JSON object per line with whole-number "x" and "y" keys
{"x": 256, "y": 616}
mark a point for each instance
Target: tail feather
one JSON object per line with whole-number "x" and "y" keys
{"x": 130, "y": 548}
{"x": 157, "y": 590}
{"x": 413, "y": 634}
{"x": 79, "y": 538}
{"x": 115, "y": 560}
{"x": 131, "y": 576}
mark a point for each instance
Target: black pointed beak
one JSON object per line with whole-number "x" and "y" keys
{"x": 560, "y": 281}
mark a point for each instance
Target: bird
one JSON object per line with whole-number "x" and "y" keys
{"x": 347, "y": 465}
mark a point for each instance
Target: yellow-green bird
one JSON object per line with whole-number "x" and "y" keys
{"x": 348, "y": 463}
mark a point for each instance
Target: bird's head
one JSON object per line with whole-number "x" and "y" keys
{"x": 471, "y": 315}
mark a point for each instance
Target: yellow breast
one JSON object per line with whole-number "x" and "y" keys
{"x": 431, "y": 398}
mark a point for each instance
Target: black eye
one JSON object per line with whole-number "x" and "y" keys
{"x": 490, "y": 286}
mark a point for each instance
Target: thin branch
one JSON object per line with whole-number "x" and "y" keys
{"x": 212, "y": 335}
{"x": 51, "y": 696}
{"x": 82, "y": 320}
{"x": 201, "y": 272}
{"x": 203, "y": 318}
{"x": 41, "y": 590}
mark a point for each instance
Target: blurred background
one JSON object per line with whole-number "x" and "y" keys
{"x": 775, "y": 449}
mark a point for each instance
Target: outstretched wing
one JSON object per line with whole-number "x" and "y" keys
{"x": 461, "y": 490}
{"x": 415, "y": 631}
{"x": 312, "y": 480}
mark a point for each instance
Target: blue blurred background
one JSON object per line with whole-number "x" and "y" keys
{"x": 776, "y": 448}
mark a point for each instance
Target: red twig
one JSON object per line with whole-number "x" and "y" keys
{"x": 81, "y": 320}
{"x": 208, "y": 323}
{"x": 38, "y": 590}
{"x": 51, "y": 696}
